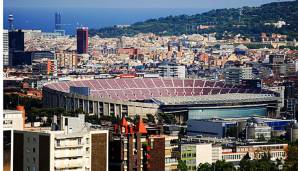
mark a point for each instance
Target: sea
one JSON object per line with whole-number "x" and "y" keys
{"x": 43, "y": 18}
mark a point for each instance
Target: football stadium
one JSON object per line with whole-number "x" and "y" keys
{"x": 185, "y": 98}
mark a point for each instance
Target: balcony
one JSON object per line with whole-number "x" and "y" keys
{"x": 171, "y": 161}
{"x": 68, "y": 153}
{"x": 68, "y": 164}
{"x": 69, "y": 145}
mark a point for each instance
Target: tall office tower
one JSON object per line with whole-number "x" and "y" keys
{"x": 15, "y": 44}
{"x": 82, "y": 40}
{"x": 5, "y": 48}
{"x": 58, "y": 25}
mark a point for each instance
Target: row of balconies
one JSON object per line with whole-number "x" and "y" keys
{"x": 70, "y": 153}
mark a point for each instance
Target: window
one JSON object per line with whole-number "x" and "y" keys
{"x": 33, "y": 159}
{"x": 33, "y": 150}
{"x": 58, "y": 143}
{"x": 66, "y": 122}
{"x": 79, "y": 141}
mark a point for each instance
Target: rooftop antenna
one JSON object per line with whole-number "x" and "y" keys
{"x": 10, "y": 20}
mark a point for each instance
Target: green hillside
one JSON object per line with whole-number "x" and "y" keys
{"x": 250, "y": 23}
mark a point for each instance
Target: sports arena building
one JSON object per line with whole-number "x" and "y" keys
{"x": 185, "y": 98}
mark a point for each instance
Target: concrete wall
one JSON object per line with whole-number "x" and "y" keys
{"x": 203, "y": 153}
{"x": 52, "y": 98}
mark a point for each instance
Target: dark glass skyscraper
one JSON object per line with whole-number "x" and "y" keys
{"x": 82, "y": 40}
{"x": 16, "y": 45}
{"x": 58, "y": 23}
{"x": 16, "y": 40}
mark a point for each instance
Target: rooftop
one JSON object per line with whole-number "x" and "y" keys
{"x": 215, "y": 98}
{"x": 126, "y": 89}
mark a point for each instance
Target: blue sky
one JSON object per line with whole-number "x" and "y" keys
{"x": 209, "y": 4}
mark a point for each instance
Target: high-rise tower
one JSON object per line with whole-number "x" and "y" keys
{"x": 82, "y": 40}
{"x": 58, "y": 25}
{"x": 15, "y": 45}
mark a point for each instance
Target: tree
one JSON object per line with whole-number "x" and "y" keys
{"x": 182, "y": 165}
{"x": 291, "y": 163}
{"x": 280, "y": 139}
{"x": 219, "y": 165}
{"x": 261, "y": 138}
{"x": 205, "y": 167}
{"x": 246, "y": 157}
{"x": 93, "y": 119}
{"x": 12, "y": 100}
{"x": 166, "y": 118}
{"x": 150, "y": 118}
{"x": 246, "y": 164}
{"x": 264, "y": 163}
{"x": 222, "y": 165}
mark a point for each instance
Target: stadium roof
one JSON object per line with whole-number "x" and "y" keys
{"x": 215, "y": 98}
{"x": 126, "y": 89}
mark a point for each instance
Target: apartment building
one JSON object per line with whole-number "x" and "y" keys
{"x": 194, "y": 154}
{"x": 171, "y": 70}
{"x": 44, "y": 66}
{"x": 171, "y": 159}
{"x": 234, "y": 75}
{"x": 12, "y": 120}
{"x": 67, "y": 59}
{"x": 75, "y": 146}
{"x": 133, "y": 148}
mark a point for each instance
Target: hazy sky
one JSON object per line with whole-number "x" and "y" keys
{"x": 135, "y": 3}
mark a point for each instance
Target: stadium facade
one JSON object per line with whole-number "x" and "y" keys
{"x": 185, "y": 98}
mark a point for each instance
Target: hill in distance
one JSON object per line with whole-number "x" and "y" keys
{"x": 247, "y": 21}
